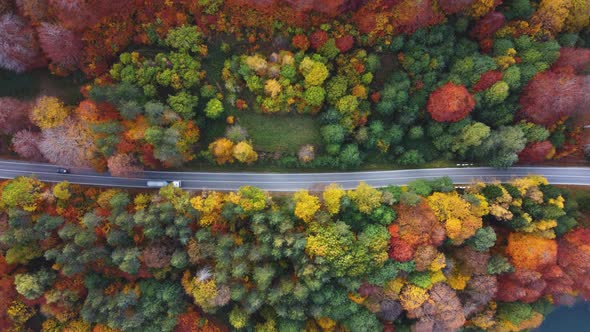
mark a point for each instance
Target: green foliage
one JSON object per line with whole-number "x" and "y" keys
{"x": 214, "y": 108}
{"x": 33, "y": 285}
{"x": 185, "y": 38}
{"x": 483, "y": 239}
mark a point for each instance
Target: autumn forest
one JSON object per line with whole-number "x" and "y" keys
{"x": 130, "y": 86}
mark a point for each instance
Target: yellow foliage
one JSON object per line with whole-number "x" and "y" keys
{"x": 306, "y": 205}
{"x": 202, "y": 291}
{"x": 579, "y": 16}
{"x": 77, "y": 325}
{"x": 62, "y": 191}
{"x": 557, "y": 201}
{"x": 141, "y": 201}
{"x": 19, "y": 313}
{"x": 551, "y": 14}
{"x": 326, "y": 324}
{"x": 244, "y": 153}
{"x": 438, "y": 263}
{"x": 49, "y": 112}
{"x": 209, "y": 206}
{"x": 332, "y": 196}
{"x": 482, "y": 209}
{"x": 356, "y": 298}
{"x": 412, "y": 297}
{"x": 256, "y": 63}
{"x": 455, "y": 212}
{"x": 359, "y": 91}
{"x": 523, "y": 184}
{"x": 272, "y": 87}
{"x": 458, "y": 280}
{"x": 500, "y": 212}
{"x": 365, "y": 197}
{"x": 394, "y": 287}
{"x": 222, "y": 150}
{"x": 480, "y": 7}
{"x": 437, "y": 276}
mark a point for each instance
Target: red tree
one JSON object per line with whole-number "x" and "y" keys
{"x": 411, "y": 15}
{"x": 577, "y": 58}
{"x": 61, "y": 45}
{"x": 19, "y": 50}
{"x": 318, "y": 38}
{"x": 553, "y": 95}
{"x": 25, "y": 144}
{"x": 488, "y": 24}
{"x": 301, "y": 42}
{"x": 536, "y": 152}
{"x": 344, "y": 43}
{"x": 14, "y": 115}
{"x": 574, "y": 259}
{"x": 486, "y": 80}
{"x": 450, "y": 103}
{"x": 454, "y": 6}
{"x": 416, "y": 226}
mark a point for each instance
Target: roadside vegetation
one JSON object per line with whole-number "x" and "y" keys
{"x": 494, "y": 257}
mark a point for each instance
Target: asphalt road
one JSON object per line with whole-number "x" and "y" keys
{"x": 291, "y": 181}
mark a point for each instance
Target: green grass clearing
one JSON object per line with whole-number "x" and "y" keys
{"x": 277, "y": 132}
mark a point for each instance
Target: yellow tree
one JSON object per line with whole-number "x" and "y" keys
{"x": 222, "y": 150}
{"x": 209, "y": 206}
{"x": 306, "y": 205}
{"x": 365, "y": 197}
{"x": 62, "y": 191}
{"x": 49, "y": 112}
{"x": 244, "y": 153}
{"x": 332, "y": 196}
{"x": 456, "y": 213}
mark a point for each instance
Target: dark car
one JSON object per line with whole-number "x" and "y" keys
{"x": 63, "y": 170}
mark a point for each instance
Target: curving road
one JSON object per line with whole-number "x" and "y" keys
{"x": 292, "y": 181}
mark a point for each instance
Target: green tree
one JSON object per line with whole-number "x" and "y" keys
{"x": 214, "y": 108}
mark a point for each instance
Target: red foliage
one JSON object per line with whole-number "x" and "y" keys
{"x": 61, "y": 45}
{"x": 301, "y": 42}
{"x": 486, "y": 80}
{"x": 521, "y": 285}
{"x": 330, "y": 7}
{"x": 574, "y": 259}
{"x": 577, "y": 58}
{"x": 34, "y": 10}
{"x": 192, "y": 321}
{"x": 7, "y": 295}
{"x": 553, "y": 95}
{"x": 416, "y": 226}
{"x": 488, "y": 25}
{"x": 318, "y": 38}
{"x": 536, "y": 152}
{"x": 411, "y": 15}
{"x": 344, "y": 43}
{"x": 25, "y": 144}
{"x": 19, "y": 50}
{"x": 450, "y": 103}
{"x": 301, "y": 5}
{"x": 14, "y": 115}
{"x": 454, "y": 6}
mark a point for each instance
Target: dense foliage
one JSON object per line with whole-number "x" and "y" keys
{"x": 386, "y": 82}
{"x": 492, "y": 257}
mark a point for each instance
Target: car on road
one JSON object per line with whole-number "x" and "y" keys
{"x": 63, "y": 171}
{"x": 161, "y": 183}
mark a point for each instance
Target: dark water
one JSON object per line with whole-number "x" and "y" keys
{"x": 568, "y": 319}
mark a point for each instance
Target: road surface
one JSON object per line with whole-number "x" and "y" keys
{"x": 291, "y": 181}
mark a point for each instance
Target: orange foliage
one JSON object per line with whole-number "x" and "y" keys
{"x": 531, "y": 252}
{"x": 450, "y": 103}
{"x": 415, "y": 226}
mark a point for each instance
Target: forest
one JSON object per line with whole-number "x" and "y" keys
{"x": 423, "y": 257}
{"x": 322, "y": 84}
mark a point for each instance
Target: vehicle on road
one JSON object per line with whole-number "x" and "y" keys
{"x": 63, "y": 171}
{"x": 161, "y": 183}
